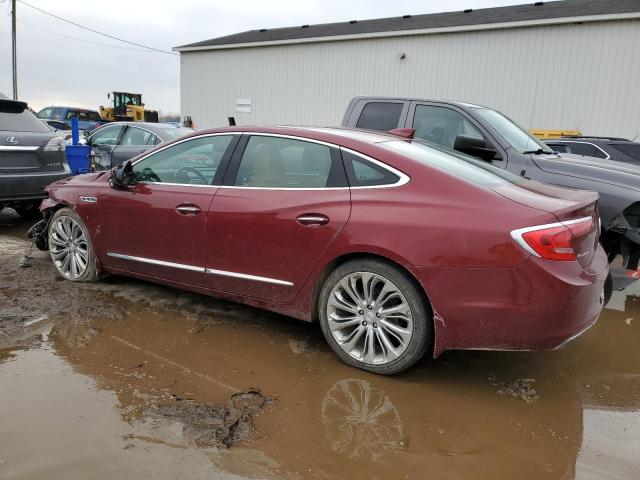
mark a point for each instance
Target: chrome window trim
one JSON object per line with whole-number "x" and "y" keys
{"x": 12, "y": 148}
{"x": 586, "y": 143}
{"x": 244, "y": 276}
{"x": 517, "y": 234}
{"x": 193, "y": 268}
{"x": 403, "y": 178}
{"x": 151, "y": 261}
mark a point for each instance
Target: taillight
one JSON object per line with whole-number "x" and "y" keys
{"x": 56, "y": 144}
{"x": 554, "y": 241}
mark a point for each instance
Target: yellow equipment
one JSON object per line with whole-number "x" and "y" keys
{"x": 127, "y": 107}
{"x": 544, "y": 134}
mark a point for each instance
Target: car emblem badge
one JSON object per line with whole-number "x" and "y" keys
{"x": 12, "y": 140}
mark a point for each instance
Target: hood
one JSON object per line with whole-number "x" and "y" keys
{"x": 82, "y": 179}
{"x": 596, "y": 169}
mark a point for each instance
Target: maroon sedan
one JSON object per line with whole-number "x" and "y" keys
{"x": 395, "y": 246}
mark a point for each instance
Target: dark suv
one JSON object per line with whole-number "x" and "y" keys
{"x": 610, "y": 148}
{"x": 491, "y": 136}
{"x": 31, "y": 157}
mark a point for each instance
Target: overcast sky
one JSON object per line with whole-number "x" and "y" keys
{"x": 56, "y": 69}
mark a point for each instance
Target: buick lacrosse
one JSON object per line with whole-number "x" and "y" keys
{"x": 397, "y": 247}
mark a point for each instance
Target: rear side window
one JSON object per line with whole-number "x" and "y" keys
{"x": 93, "y": 116}
{"x": 15, "y": 118}
{"x": 631, "y": 149}
{"x": 138, "y": 136}
{"x": 275, "y": 162}
{"x": 584, "y": 149}
{"x": 45, "y": 113}
{"x": 381, "y": 116}
{"x": 363, "y": 173}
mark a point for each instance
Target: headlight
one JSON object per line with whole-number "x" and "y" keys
{"x": 56, "y": 144}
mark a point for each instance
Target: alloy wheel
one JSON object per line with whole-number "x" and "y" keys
{"x": 69, "y": 247}
{"x": 370, "y": 318}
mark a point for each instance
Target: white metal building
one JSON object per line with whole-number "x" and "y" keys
{"x": 572, "y": 64}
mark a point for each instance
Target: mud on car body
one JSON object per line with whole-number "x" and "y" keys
{"x": 392, "y": 245}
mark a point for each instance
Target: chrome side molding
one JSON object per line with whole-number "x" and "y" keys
{"x": 244, "y": 276}
{"x": 193, "y": 268}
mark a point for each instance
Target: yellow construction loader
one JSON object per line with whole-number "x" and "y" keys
{"x": 127, "y": 107}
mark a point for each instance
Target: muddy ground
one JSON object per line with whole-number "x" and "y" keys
{"x": 128, "y": 380}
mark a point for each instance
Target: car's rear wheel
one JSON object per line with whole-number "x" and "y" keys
{"x": 374, "y": 316}
{"x": 70, "y": 247}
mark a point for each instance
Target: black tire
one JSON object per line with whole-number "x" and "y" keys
{"x": 90, "y": 273}
{"x": 28, "y": 209}
{"x": 608, "y": 289}
{"x": 421, "y": 315}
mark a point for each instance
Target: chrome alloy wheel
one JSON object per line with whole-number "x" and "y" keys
{"x": 69, "y": 247}
{"x": 369, "y": 318}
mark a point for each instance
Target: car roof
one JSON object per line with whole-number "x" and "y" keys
{"x": 336, "y": 135}
{"x": 69, "y": 108}
{"x": 595, "y": 139}
{"x": 418, "y": 99}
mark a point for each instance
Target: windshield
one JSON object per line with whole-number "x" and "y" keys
{"x": 515, "y": 135}
{"x": 449, "y": 161}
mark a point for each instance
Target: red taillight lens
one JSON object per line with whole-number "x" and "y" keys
{"x": 554, "y": 241}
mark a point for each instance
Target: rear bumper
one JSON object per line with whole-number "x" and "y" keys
{"x": 537, "y": 305}
{"x": 16, "y": 187}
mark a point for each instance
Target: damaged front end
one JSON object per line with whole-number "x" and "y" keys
{"x": 38, "y": 233}
{"x": 622, "y": 236}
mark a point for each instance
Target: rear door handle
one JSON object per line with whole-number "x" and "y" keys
{"x": 312, "y": 220}
{"x": 188, "y": 209}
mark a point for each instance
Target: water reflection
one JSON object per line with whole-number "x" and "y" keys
{"x": 361, "y": 421}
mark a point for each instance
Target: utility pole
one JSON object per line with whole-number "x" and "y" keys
{"x": 14, "y": 51}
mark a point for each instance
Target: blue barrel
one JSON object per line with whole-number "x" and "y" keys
{"x": 78, "y": 158}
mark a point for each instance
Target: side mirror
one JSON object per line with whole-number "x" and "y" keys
{"x": 476, "y": 147}
{"x": 123, "y": 176}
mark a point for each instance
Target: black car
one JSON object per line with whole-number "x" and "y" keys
{"x": 610, "y": 148}
{"x": 115, "y": 142}
{"x": 31, "y": 157}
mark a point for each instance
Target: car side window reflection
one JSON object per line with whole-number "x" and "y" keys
{"x": 138, "y": 136}
{"x": 442, "y": 125}
{"x": 275, "y": 162}
{"x": 106, "y": 136}
{"x": 192, "y": 162}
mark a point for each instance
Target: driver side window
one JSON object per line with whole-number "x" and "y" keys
{"x": 106, "y": 136}
{"x": 442, "y": 125}
{"x": 193, "y": 162}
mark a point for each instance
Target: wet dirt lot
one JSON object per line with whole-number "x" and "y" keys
{"x": 124, "y": 379}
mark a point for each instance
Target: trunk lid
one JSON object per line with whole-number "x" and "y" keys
{"x": 566, "y": 205}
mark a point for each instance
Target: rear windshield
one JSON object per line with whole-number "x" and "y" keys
{"x": 458, "y": 165}
{"x": 631, "y": 149}
{"x": 13, "y": 118}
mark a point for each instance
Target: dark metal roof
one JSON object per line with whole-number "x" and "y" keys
{"x": 483, "y": 16}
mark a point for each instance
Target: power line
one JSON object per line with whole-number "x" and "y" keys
{"x": 81, "y": 39}
{"x": 95, "y": 31}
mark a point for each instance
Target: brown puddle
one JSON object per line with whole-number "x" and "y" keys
{"x": 83, "y": 396}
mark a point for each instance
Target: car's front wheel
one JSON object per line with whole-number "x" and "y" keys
{"x": 374, "y": 316}
{"x": 70, "y": 247}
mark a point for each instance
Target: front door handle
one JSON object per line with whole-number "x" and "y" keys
{"x": 188, "y": 209}
{"x": 312, "y": 220}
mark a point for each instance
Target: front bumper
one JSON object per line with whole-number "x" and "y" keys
{"x": 537, "y": 305}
